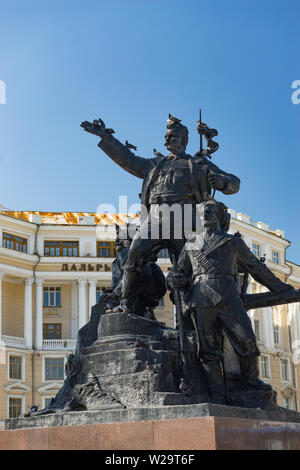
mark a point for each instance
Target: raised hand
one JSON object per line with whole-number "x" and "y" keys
{"x": 202, "y": 128}
{"x": 97, "y": 127}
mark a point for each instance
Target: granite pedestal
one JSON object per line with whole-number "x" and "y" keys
{"x": 134, "y": 401}
{"x": 189, "y": 427}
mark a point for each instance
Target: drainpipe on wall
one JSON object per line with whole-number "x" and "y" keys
{"x": 34, "y": 325}
{"x": 290, "y": 333}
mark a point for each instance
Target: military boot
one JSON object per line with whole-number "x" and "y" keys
{"x": 250, "y": 372}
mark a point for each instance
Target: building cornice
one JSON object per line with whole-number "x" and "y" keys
{"x": 17, "y": 221}
{"x": 249, "y": 228}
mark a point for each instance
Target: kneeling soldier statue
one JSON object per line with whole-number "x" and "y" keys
{"x": 207, "y": 271}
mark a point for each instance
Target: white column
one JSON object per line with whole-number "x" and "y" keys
{"x": 74, "y": 310}
{"x": 1, "y": 276}
{"x": 270, "y": 316}
{"x": 296, "y": 321}
{"x": 268, "y": 252}
{"x": 39, "y": 313}
{"x": 92, "y": 294}
{"x": 28, "y": 313}
{"x": 82, "y": 302}
{"x": 267, "y": 320}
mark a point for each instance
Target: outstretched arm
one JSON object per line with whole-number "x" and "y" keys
{"x": 257, "y": 269}
{"x": 119, "y": 153}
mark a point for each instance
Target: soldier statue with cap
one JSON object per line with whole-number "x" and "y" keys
{"x": 177, "y": 179}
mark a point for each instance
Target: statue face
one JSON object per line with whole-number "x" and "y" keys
{"x": 174, "y": 141}
{"x": 209, "y": 215}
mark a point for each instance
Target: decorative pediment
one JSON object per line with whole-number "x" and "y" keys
{"x": 18, "y": 386}
{"x": 287, "y": 390}
{"x": 51, "y": 387}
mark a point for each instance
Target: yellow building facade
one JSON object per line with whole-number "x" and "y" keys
{"x": 53, "y": 267}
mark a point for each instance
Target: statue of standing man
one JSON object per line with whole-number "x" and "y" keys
{"x": 177, "y": 179}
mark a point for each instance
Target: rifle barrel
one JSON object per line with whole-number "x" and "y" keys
{"x": 201, "y": 141}
{"x": 268, "y": 299}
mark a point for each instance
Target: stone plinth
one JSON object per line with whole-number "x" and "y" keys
{"x": 200, "y": 433}
{"x": 157, "y": 413}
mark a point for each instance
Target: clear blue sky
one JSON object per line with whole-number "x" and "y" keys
{"x": 132, "y": 62}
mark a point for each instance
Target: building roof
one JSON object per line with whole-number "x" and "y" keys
{"x": 92, "y": 218}
{"x": 70, "y": 218}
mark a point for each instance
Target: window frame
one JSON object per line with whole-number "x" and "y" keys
{"x": 52, "y": 356}
{"x": 257, "y": 323}
{"x": 19, "y": 397}
{"x": 57, "y": 289}
{"x": 290, "y": 401}
{"x": 55, "y": 330}
{"x": 275, "y": 259}
{"x": 276, "y": 332}
{"x": 163, "y": 251}
{"x": 61, "y": 247}
{"x": 268, "y": 365}
{"x": 255, "y": 244}
{"x": 14, "y": 239}
{"x": 22, "y": 356}
{"x": 110, "y": 246}
{"x": 288, "y": 370}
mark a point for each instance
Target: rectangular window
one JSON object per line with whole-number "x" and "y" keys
{"x": 54, "y": 368}
{"x": 284, "y": 370}
{"x": 61, "y": 248}
{"x": 106, "y": 249}
{"x": 275, "y": 257}
{"x": 276, "y": 334}
{"x": 257, "y": 329}
{"x": 256, "y": 249}
{"x": 52, "y": 331}
{"x": 14, "y": 407}
{"x": 164, "y": 253}
{"x": 14, "y": 242}
{"x": 15, "y": 367}
{"x": 161, "y": 302}
{"x": 52, "y": 296}
{"x": 265, "y": 370}
{"x": 288, "y": 403}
